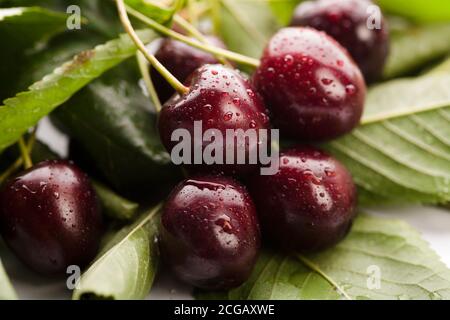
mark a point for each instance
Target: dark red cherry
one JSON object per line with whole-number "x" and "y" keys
{"x": 220, "y": 98}
{"x": 50, "y": 217}
{"x": 309, "y": 204}
{"x": 311, "y": 85}
{"x": 358, "y": 25}
{"x": 181, "y": 60}
{"x": 210, "y": 234}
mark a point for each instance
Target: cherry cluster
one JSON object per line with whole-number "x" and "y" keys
{"x": 309, "y": 85}
{"x": 310, "y": 81}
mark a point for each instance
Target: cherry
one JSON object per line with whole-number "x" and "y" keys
{"x": 221, "y": 98}
{"x": 312, "y": 87}
{"x": 348, "y": 22}
{"x": 210, "y": 234}
{"x": 309, "y": 204}
{"x": 50, "y": 217}
{"x": 181, "y": 60}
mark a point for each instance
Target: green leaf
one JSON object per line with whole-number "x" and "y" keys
{"x": 115, "y": 124}
{"x": 156, "y": 11}
{"x": 126, "y": 267}
{"x": 58, "y": 50}
{"x": 418, "y": 10}
{"x": 402, "y": 149}
{"x": 6, "y": 290}
{"x": 21, "y": 27}
{"x": 391, "y": 249}
{"x": 415, "y": 47}
{"x": 246, "y": 25}
{"x": 115, "y": 206}
{"x": 27, "y": 108}
{"x": 283, "y": 9}
{"x": 20, "y": 30}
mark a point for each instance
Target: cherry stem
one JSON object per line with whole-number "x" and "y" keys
{"x": 145, "y": 72}
{"x": 196, "y": 34}
{"x": 193, "y": 43}
{"x": 177, "y": 85}
{"x": 19, "y": 161}
{"x": 27, "y": 163}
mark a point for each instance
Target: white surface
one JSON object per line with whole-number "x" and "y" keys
{"x": 433, "y": 223}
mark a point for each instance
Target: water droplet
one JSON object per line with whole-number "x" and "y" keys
{"x": 288, "y": 59}
{"x": 327, "y": 81}
{"x": 227, "y": 116}
{"x": 350, "y": 89}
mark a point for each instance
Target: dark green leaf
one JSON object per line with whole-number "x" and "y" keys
{"x": 376, "y": 249}
{"x": 23, "y": 26}
{"x": 27, "y": 108}
{"x": 20, "y": 30}
{"x": 115, "y": 206}
{"x": 126, "y": 267}
{"x": 58, "y": 50}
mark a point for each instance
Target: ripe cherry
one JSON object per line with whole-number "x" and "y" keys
{"x": 312, "y": 87}
{"x": 181, "y": 60}
{"x": 50, "y": 217}
{"x": 221, "y": 98}
{"x": 210, "y": 234}
{"x": 358, "y": 25}
{"x": 309, "y": 204}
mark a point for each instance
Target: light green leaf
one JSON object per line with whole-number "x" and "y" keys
{"x": 27, "y": 108}
{"x": 156, "y": 11}
{"x": 402, "y": 149}
{"x": 418, "y": 10}
{"x": 283, "y": 9}
{"x": 415, "y": 47}
{"x": 253, "y": 21}
{"x": 126, "y": 267}
{"x": 6, "y": 290}
{"x": 379, "y": 259}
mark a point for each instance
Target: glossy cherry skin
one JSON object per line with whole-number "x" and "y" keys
{"x": 210, "y": 234}
{"x": 181, "y": 60}
{"x": 347, "y": 22}
{"x": 309, "y": 204}
{"x": 50, "y": 217}
{"x": 311, "y": 85}
{"x": 221, "y": 98}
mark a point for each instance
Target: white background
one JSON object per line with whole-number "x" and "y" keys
{"x": 433, "y": 223}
